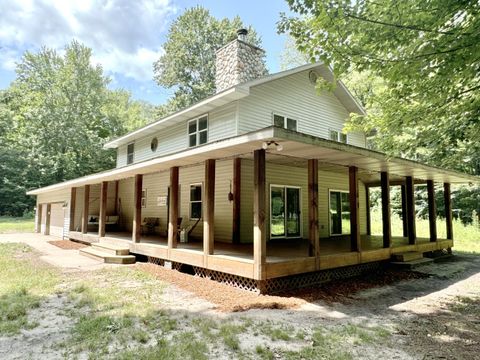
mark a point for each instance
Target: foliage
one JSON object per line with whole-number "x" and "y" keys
{"x": 188, "y": 64}
{"x": 426, "y": 55}
{"x": 54, "y": 119}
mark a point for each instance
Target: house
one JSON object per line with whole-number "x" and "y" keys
{"x": 256, "y": 185}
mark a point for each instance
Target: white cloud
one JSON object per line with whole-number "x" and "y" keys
{"x": 124, "y": 34}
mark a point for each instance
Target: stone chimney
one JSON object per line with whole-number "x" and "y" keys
{"x": 238, "y": 62}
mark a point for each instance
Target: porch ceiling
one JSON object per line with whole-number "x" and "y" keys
{"x": 297, "y": 147}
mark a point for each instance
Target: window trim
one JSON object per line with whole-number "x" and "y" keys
{"x": 143, "y": 198}
{"x": 285, "y": 120}
{"x": 195, "y": 201}
{"x": 329, "y": 215}
{"x": 339, "y": 132}
{"x": 133, "y": 153}
{"x": 197, "y": 132}
{"x": 271, "y": 211}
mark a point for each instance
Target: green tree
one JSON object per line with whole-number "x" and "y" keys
{"x": 426, "y": 54}
{"x": 55, "y": 118}
{"x": 188, "y": 64}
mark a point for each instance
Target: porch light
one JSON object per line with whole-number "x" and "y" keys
{"x": 266, "y": 144}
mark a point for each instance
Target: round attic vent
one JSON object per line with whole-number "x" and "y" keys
{"x": 313, "y": 77}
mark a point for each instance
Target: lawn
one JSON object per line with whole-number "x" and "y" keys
{"x": 16, "y": 224}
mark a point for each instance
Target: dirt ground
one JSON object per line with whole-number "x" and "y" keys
{"x": 433, "y": 313}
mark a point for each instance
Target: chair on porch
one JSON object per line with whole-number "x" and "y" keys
{"x": 148, "y": 225}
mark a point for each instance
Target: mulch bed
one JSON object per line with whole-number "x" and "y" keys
{"x": 67, "y": 244}
{"x": 230, "y": 299}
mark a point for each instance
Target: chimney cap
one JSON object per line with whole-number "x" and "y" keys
{"x": 243, "y": 32}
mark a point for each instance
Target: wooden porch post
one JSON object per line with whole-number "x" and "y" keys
{"x": 367, "y": 205}
{"x": 86, "y": 201}
{"x": 313, "y": 228}
{"x": 117, "y": 184}
{"x": 39, "y": 218}
{"x": 354, "y": 213}
{"x": 259, "y": 228}
{"x": 47, "y": 219}
{"x": 386, "y": 211}
{"x": 209, "y": 209}
{"x": 173, "y": 208}
{"x": 410, "y": 204}
{"x": 237, "y": 184}
{"x": 432, "y": 210}
{"x": 73, "y": 200}
{"x": 404, "y": 211}
{"x": 137, "y": 211}
{"x": 103, "y": 209}
{"x": 448, "y": 210}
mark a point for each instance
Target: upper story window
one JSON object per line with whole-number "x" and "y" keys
{"x": 284, "y": 122}
{"x": 130, "y": 152}
{"x": 198, "y": 131}
{"x": 336, "y": 135}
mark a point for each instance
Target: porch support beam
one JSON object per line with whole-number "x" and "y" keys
{"x": 432, "y": 210}
{"x": 259, "y": 228}
{"x": 47, "y": 219}
{"x": 386, "y": 211}
{"x": 137, "y": 211}
{"x": 448, "y": 210}
{"x": 86, "y": 201}
{"x": 209, "y": 209}
{"x": 103, "y": 209}
{"x": 39, "y": 218}
{"x": 368, "y": 210}
{"x": 173, "y": 208}
{"x": 73, "y": 200}
{"x": 313, "y": 228}
{"x": 410, "y": 203}
{"x": 237, "y": 184}
{"x": 117, "y": 184}
{"x": 404, "y": 211}
{"x": 354, "y": 209}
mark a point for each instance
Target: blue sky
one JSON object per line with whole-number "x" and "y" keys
{"x": 126, "y": 36}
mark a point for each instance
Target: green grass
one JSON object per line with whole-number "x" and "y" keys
{"x": 23, "y": 285}
{"x": 466, "y": 238}
{"x": 16, "y": 224}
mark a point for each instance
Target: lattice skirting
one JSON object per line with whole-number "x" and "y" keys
{"x": 277, "y": 284}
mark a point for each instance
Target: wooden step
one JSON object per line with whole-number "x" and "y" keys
{"x": 111, "y": 248}
{"x": 106, "y": 257}
{"x": 412, "y": 264}
{"x": 407, "y": 256}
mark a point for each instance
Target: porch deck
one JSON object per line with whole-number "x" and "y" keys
{"x": 284, "y": 257}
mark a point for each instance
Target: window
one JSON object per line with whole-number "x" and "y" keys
{"x": 284, "y": 122}
{"x": 144, "y": 198}
{"x": 154, "y": 144}
{"x": 285, "y": 205}
{"x": 130, "y": 151}
{"x": 339, "y": 213}
{"x": 198, "y": 131}
{"x": 195, "y": 201}
{"x": 336, "y": 135}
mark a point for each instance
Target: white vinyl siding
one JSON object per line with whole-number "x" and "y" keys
{"x": 221, "y": 125}
{"x": 295, "y": 96}
{"x": 59, "y": 216}
{"x": 295, "y": 176}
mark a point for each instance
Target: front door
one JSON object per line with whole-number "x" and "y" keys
{"x": 285, "y": 205}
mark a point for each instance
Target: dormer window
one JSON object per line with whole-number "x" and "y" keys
{"x": 130, "y": 152}
{"x": 338, "y": 136}
{"x": 284, "y": 122}
{"x": 198, "y": 131}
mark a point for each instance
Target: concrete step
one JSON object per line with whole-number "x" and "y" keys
{"x": 106, "y": 257}
{"x": 111, "y": 248}
{"x": 407, "y": 256}
{"x": 412, "y": 264}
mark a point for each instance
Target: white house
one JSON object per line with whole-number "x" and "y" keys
{"x": 254, "y": 184}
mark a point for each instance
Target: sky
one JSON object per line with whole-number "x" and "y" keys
{"x": 126, "y": 36}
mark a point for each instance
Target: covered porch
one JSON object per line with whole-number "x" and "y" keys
{"x": 266, "y": 257}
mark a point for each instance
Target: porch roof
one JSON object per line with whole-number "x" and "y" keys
{"x": 297, "y": 147}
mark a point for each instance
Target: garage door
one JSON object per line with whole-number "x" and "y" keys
{"x": 56, "y": 220}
